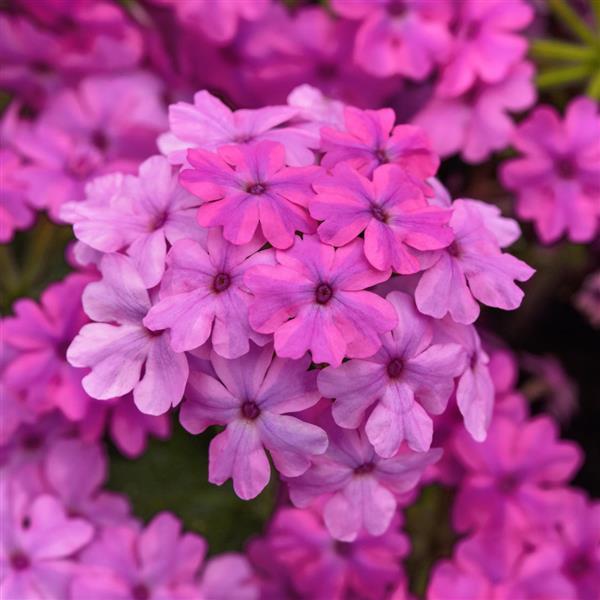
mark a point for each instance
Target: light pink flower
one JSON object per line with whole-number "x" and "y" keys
{"x": 15, "y": 210}
{"x": 472, "y": 268}
{"x": 242, "y": 186}
{"x": 359, "y": 488}
{"x": 314, "y": 299}
{"x": 137, "y": 215}
{"x": 370, "y": 139}
{"x": 406, "y": 379}
{"x": 209, "y": 124}
{"x": 121, "y": 352}
{"x": 557, "y": 180}
{"x": 407, "y": 38}
{"x": 228, "y": 576}
{"x": 391, "y": 210}
{"x": 252, "y": 397}
{"x": 486, "y": 44}
{"x": 203, "y": 295}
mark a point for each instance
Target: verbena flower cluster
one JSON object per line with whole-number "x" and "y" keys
{"x": 292, "y": 277}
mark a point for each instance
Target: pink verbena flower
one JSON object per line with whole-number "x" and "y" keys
{"x": 39, "y": 335}
{"x": 203, "y": 295}
{"x": 359, "y": 488}
{"x": 121, "y": 352}
{"x": 515, "y": 477}
{"x": 477, "y": 123}
{"x": 370, "y": 139}
{"x": 315, "y": 299}
{"x": 15, "y": 210}
{"x": 209, "y": 124}
{"x": 227, "y": 576}
{"x": 126, "y": 561}
{"x": 398, "y": 36}
{"x": 408, "y": 377}
{"x": 472, "y": 268}
{"x": 588, "y": 299}
{"x": 391, "y": 210}
{"x": 242, "y": 186}
{"x": 37, "y": 545}
{"x": 557, "y": 180}
{"x": 252, "y": 397}
{"x": 486, "y": 45}
{"x": 137, "y": 215}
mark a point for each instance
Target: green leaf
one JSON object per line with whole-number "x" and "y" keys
{"x": 564, "y": 75}
{"x": 593, "y": 89}
{"x": 561, "y": 51}
{"x": 566, "y": 15}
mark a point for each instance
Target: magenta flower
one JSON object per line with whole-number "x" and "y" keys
{"x": 203, "y": 295}
{"x": 370, "y": 139}
{"x": 228, "y": 576}
{"x": 37, "y": 545}
{"x": 359, "y": 488}
{"x": 486, "y": 46}
{"x": 405, "y": 380}
{"x": 252, "y": 397}
{"x": 121, "y": 352}
{"x": 516, "y": 477}
{"x": 391, "y": 210}
{"x": 587, "y": 299}
{"x": 15, "y": 210}
{"x": 398, "y": 37}
{"x": 472, "y": 268}
{"x": 126, "y": 561}
{"x": 137, "y": 215}
{"x": 242, "y": 186}
{"x": 315, "y": 299}
{"x": 557, "y": 181}
{"x": 209, "y": 124}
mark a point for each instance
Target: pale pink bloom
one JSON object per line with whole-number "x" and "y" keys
{"x": 557, "y": 180}
{"x": 39, "y": 335}
{"x": 405, "y": 380}
{"x": 315, "y": 299}
{"x": 321, "y": 567}
{"x": 472, "y": 268}
{"x": 203, "y": 296}
{"x": 392, "y": 211}
{"x": 478, "y": 122}
{"x": 369, "y": 139}
{"x": 486, "y": 44}
{"x": 37, "y": 545}
{"x": 396, "y": 36}
{"x": 137, "y": 215}
{"x": 588, "y": 299}
{"x": 516, "y": 477}
{"x": 359, "y": 488}
{"x": 126, "y": 562}
{"x": 242, "y": 186}
{"x": 228, "y": 576}
{"x": 209, "y": 124}
{"x": 252, "y": 397}
{"x": 316, "y": 107}
{"x": 121, "y": 352}
{"x": 15, "y": 210}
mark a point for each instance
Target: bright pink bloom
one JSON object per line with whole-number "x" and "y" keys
{"x": 242, "y": 186}
{"x": 391, "y": 210}
{"x": 557, "y": 181}
{"x": 15, "y": 210}
{"x": 209, "y": 124}
{"x": 203, "y": 295}
{"x": 359, "y": 488}
{"x": 252, "y": 397}
{"x": 515, "y": 477}
{"x": 370, "y": 139}
{"x": 314, "y": 299}
{"x": 407, "y": 38}
{"x": 486, "y": 44}
{"x": 137, "y": 215}
{"x": 121, "y": 352}
{"x": 472, "y": 268}
{"x": 126, "y": 561}
{"x": 37, "y": 545}
{"x": 477, "y": 123}
{"x": 405, "y": 380}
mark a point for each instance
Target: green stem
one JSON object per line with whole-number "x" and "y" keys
{"x": 557, "y": 50}
{"x": 564, "y": 75}
{"x": 574, "y": 22}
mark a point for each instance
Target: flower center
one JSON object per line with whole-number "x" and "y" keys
{"x": 397, "y": 8}
{"x": 381, "y": 156}
{"x": 250, "y": 410}
{"x": 395, "y": 368}
{"x": 159, "y": 221}
{"x": 19, "y": 561}
{"x": 364, "y": 469}
{"x": 140, "y": 592}
{"x": 256, "y": 189}
{"x": 33, "y": 441}
{"x": 454, "y": 250}
{"x": 566, "y": 168}
{"x": 343, "y": 548}
{"x": 221, "y": 282}
{"x": 379, "y": 213}
{"x": 100, "y": 140}
{"x": 578, "y": 566}
{"x": 323, "y": 293}
{"x": 508, "y": 483}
